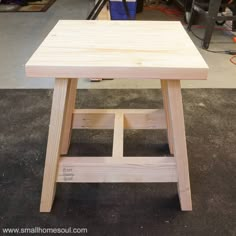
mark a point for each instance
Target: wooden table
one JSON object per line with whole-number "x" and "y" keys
{"x": 116, "y": 49}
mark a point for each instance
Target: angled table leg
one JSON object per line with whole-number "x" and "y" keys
{"x": 179, "y": 142}
{"x": 69, "y": 108}
{"x": 54, "y": 142}
{"x": 168, "y": 121}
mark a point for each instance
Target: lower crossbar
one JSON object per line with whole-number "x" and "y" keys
{"x": 108, "y": 169}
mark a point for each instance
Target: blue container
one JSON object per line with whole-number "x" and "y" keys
{"x": 118, "y": 12}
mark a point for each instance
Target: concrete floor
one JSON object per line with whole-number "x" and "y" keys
{"x": 22, "y": 33}
{"x": 127, "y": 209}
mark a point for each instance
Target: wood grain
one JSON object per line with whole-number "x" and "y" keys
{"x": 117, "y": 49}
{"x": 167, "y": 115}
{"x": 117, "y": 170}
{"x": 145, "y": 120}
{"x": 68, "y": 115}
{"x": 53, "y": 146}
{"x": 179, "y": 143}
{"x": 105, "y": 118}
{"x": 118, "y": 136}
{"x": 104, "y": 14}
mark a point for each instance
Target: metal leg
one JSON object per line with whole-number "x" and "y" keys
{"x": 214, "y": 7}
{"x": 191, "y": 19}
{"x": 234, "y": 26}
{"x": 234, "y": 21}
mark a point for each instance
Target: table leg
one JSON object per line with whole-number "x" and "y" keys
{"x": 168, "y": 121}
{"x": 179, "y": 142}
{"x": 54, "y": 142}
{"x": 69, "y": 108}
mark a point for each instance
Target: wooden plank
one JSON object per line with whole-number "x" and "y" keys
{"x": 118, "y": 136}
{"x": 151, "y": 120}
{"x": 133, "y": 118}
{"x": 104, "y": 14}
{"x": 108, "y": 169}
{"x": 93, "y": 121}
{"x": 118, "y": 51}
{"x": 156, "y": 160}
{"x": 67, "y": 125}
{"x": 179, "y": 143}
{"x": 167, "y": 116}
{"x": 53, "y": 146}
{"x": 113, "y": 111}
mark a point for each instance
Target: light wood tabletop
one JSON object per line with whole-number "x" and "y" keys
{"x": 117, "y": 49}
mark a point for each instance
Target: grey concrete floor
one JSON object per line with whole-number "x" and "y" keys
{"x": 125, "y": 209}
{"x": 22, "y": 33}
